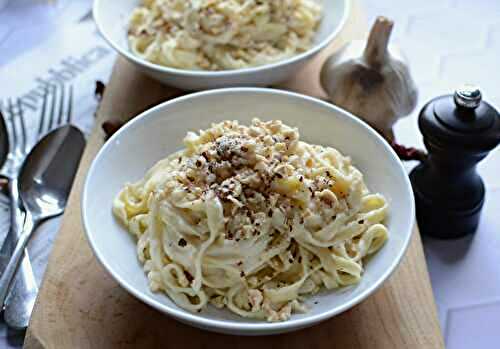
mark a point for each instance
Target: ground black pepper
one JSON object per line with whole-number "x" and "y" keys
{"x": 188, "y": 276}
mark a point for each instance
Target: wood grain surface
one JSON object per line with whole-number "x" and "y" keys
{"x": 81, "y": 306}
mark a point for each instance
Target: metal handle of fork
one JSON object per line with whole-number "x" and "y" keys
{"x": 17, "y": 220}
{"x": 12, "y": 267}
{"x": 21, "y": 297}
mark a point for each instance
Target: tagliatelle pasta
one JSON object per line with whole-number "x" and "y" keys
{"x": 252, "y": 219}
{"x": 222, "y": 34}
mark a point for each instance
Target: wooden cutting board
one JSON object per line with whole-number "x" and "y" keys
{"x": 81, "y": 306}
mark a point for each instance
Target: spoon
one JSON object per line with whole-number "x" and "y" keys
{"x": 45, "y": 182}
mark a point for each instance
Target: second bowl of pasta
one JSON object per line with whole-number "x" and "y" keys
{"x": 207, "y": 44}
{"x": 247, "y": 210}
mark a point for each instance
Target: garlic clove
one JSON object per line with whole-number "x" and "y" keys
{"x": 371, "y": 79}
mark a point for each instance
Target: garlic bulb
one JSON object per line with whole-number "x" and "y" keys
{"x": 371, "y": 80}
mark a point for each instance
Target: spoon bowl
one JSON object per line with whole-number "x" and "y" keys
{"x": 43, "y": 183}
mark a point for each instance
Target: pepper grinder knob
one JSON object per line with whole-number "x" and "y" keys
{"x": 459, "y": 131}
{"x": 468, "y": 96}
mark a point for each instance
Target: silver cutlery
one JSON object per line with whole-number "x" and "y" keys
{"x": 5, "y": 148}
{"x": 18, "y": 149}
{"x": 44, "y": 184}
{"x": 56, "y": 110}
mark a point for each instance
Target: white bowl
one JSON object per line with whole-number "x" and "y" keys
{"x": 159, "y": 131}
{"x": 112, "y": 20}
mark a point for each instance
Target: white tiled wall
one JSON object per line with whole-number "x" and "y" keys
{"x": 449, "y": 42}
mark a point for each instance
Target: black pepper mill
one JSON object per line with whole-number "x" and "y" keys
{"x": 459, "y": 131}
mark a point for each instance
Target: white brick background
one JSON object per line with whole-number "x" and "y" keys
{"x": 449, "y": 42}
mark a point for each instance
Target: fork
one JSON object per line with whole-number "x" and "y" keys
{"x": 56, "y": 111}
{"x": 57, "y": 114}
{"x": 18, "y": 149}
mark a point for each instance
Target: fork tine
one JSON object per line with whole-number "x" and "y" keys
{"x": 24, "y": 141}
{"x": 4, "y": 115}
{"x": 43, "y": 113}
{"x": 70, "y": 105}
{"x": 10, "y": 108}
{"x": 61, "y": 107}
{"x": 52, "y": 109}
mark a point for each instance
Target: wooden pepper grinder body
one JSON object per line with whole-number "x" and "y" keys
{"x": 459, "y": 131}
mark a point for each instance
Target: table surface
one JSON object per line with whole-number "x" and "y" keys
{"x": 448, "y": 42}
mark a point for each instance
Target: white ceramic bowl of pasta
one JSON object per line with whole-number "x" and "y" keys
{"x": 159, "y": 132}
{"x": 112, "y": 20}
